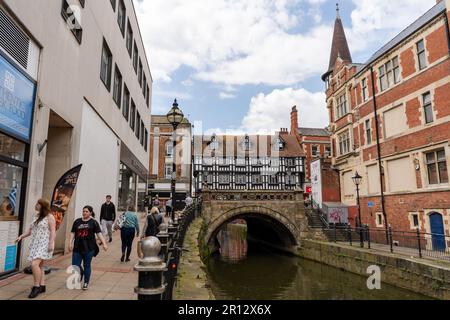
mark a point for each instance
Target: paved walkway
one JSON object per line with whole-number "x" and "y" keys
{"x": 110, "y": 280}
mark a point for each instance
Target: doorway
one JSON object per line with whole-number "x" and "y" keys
{"x": 437, "y": 231}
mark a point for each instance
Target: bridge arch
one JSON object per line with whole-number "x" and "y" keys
{"x": 268, "y": 219}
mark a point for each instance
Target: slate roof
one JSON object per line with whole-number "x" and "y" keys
{"x": 315, "y": 132}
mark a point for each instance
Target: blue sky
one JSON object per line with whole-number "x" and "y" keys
{"x": 241, "y": 65}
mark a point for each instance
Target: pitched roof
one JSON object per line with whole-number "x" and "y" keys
{"x": 315, "y": 132}
{"x": 162, "y": 119}
{"x": 339, "y": 47}
{"x": 411, "y": 29}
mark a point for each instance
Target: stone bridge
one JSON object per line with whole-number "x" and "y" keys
{"x": 274, "y": 217}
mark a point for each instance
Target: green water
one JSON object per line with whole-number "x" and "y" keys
{"x": 266, "y": 275}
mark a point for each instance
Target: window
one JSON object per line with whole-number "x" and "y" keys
{"x": 135, "y": 57}
{"x": 427, "y": 108}
{"x": 368, "y": 130}
{"x": 437, "y": 167}
{"x": 241, "y": 179}
{"x": 328, "y": 151}
{"x": 389, "y": 74}
{"x": 246, "y": 144}
{"x": 113, "y": 3}
{"x": 291, "y": 179}
{"x": 117, "y": 88}
{"x": 71, "y": 21}
{"x": 256, "y": 179}
{"x": 414, "y": 220}
{"x": 290, "y": 162}
{"x": 82, "y": 2}
{"x": 142, "y": 133}
{"x": 274, "y": 179}
{"x": 147, "y": 99}
{"x": 138, "y": 125}
{"x": 133, "y": 115}
{"x": 168, "y": 169}
{"x": 421, "y": 55}
{"x": 341, "y": 106}
{"x": 214, "y": 144}
{"x": 344, "y": 143}
{"x": 379, "y": 221}
{"x": 224, "y": 179}
{"x": 365, "y": 90}
{"x": 144, "y": 84}
{"x": 169, "y": 148}
{"x": 146, "y": 140}
{"x": 129, "y": 39}
{"x": 126, "y": 102}
{"x": 106, "y": 66}
{"x": 140, "y": 72}
{"x": 121, "y": 16}
{"x": 314, "y": 151}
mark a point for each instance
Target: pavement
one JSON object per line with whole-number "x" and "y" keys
{"x": 111, "y": 279}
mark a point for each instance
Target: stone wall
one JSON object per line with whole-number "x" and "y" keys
{"x": 425, "y": 277}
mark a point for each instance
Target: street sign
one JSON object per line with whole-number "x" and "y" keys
{"x": 370, "y": 204}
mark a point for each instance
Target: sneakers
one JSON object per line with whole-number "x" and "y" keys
{"x": 85, "y": 286}
{"x": 34, "y": 292}
{"x": 122, "y": 259}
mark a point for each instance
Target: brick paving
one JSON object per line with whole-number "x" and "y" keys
{"x": 111, "y": 279}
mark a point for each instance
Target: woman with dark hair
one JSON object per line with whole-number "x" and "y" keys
{"x": 83, "y": 244}
{"x": 42, "y": 245}
{"x": 128, "y": 231}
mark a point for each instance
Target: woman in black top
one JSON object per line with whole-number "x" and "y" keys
{"x": 83, "y": 243}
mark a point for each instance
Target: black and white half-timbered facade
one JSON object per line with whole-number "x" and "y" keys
{"x": 261, "y": 162}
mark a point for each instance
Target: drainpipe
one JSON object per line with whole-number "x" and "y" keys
{"x": 380, "y": 167}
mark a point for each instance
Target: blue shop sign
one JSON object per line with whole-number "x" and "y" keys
{"x": 16, "y": 101}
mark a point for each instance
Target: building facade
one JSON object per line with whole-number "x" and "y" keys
{"x": 390, "y": 122}
{"x": 161, "y": 159}
{"x": 259, "y": 162}
{"x": 76, "y": 89}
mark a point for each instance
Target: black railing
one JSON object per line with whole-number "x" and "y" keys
{"x": 410, "y": 243}
{"x": 176, "y": 248}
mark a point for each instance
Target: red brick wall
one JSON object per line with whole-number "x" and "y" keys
{"x": 442, "y": 101}
{"x": 413, "y": 113}
{"x": 436, "y": 44}
{"x": 408, "y": 62}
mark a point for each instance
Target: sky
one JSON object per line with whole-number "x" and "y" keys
{"x": 239, "y": 66}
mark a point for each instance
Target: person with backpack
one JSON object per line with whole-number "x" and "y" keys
{"x": 154, "y": 219}
{"x": 129, "y": 228}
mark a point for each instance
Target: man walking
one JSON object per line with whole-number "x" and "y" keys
{"x": 107, "y": 217}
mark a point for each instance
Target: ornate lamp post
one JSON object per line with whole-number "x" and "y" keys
{"x": 357, "y": 181}
{"x": 175, "y": 118}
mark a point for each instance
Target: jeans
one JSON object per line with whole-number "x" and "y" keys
{"x": 86, "y": 258}
{"x": 127, "y": 236}
{"x": 107, "y": 228}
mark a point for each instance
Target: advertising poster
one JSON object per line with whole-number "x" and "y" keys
{"x": 9, "y": 231}
{"x": 16, "y": 101}
{"x": 63, "y": 193}
{"x": 316, "y": 183}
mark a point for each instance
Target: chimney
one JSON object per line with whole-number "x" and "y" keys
{"x": 294, "y": 121}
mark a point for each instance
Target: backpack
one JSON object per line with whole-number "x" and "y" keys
{"x": 120, "y": 222}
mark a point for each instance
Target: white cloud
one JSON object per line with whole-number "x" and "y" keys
{"x": 225, "y": 95}
{"x": 272, "y": 111}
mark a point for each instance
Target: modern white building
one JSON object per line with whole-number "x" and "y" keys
{"x": 75, "y": 88}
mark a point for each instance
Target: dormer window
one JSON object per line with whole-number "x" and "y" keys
{"x": 246, "y": 144}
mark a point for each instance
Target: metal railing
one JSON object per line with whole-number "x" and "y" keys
{"x": 412, "y": 243}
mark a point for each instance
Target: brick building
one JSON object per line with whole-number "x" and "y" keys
{"x": 161, "y": 158}
{"x": 398, "y": 102}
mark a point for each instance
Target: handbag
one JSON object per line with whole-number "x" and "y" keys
{"x": 120, "y": 222}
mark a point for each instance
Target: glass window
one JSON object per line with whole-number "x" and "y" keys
{"x": 383, "y": 79}
{"x": 129, "y": 38}
{"x": 11, "y": 148}
{"x": 344, "y": 143}
{"x": 113, "y": 3}
{"x": 224, "y": 179}
{"x": 396, "y": 67}
{"x": 127, "y": 187}
{"x": 328, "y": 151}
{"x": 314, "y": 150}
{"x": 365, "y": 90}
{"x": 126, "y": 102}
{"x": 428, "y": 108}
{"x": 437, "y": 167}
{"x": 256, "y": 179}
{"x": 368, "y": 132}
{"x": 10, "y": 187}
{"x": 421, "y": 55}
{"x": 117, "y": 88}
{"x": 135, "y": 57}
{"x": 140, "y": 72}
{"x": 341, "y": 106}
{"x": 121, "y": 17}
{"x": 106, "y": 66}
{"x": 138, "y": 126}
{"x": 169, "y": 149}
{"x": 132, "y": 115}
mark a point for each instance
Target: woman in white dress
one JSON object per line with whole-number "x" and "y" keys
{"x": 42, "y": 245}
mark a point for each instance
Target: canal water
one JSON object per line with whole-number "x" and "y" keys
{"x": 268, "y": 275}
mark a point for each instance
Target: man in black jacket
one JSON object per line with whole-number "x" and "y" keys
{"x": 107, "y": 217}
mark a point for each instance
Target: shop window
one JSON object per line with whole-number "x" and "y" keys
{"x": 10, "y": 188}
{"x": 12, "y": 148}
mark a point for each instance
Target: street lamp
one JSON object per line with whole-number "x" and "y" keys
{"x": 357, "y": 181}
{"x": 175, "y": 118}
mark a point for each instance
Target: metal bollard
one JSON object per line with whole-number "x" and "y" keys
{"x": 163, "y": 237}
{"x": 151, "y": 268}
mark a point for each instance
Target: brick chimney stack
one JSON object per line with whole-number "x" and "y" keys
{"x": 294, "y": 121}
